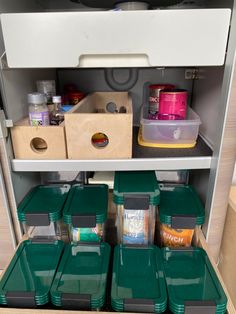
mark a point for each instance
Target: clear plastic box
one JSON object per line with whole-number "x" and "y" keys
{"x": 177, "y": 132}
{"x": 136, "y": 196}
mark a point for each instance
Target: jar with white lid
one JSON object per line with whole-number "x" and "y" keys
{"x": 38, "y": 110}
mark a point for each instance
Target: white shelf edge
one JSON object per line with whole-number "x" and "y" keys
{"x": 173, "y": 163}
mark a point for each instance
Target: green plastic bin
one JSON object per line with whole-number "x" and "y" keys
{"x": 180, "y": 212}
{"x": 41, "y": 210}
{"x": 138, "y": 283}
{"x": 29, "y": 276}
{"x": 137, "y": 196}
{"x": 85, "y": 212}
{"x": 192, "y": 284}
{"x": 80, "y": 282}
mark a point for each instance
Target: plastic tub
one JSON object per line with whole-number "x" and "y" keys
{"x": 138, "y": 283}
{"x": 180, "y": 213}
{"x": 171, "y": 133}
{"x": 40, "y": 212}
{"x": 136, "y": 195}
{"x": 81, "y": 278}
{"x": 85, "y": 212}
{"x": 192, "y": 284}
{"x": 29, "y": 276}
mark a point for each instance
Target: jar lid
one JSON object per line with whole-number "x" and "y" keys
{"x": 56, "y": 99}
{"x": 36, "y": 98}
{"x": 161, "y": 86}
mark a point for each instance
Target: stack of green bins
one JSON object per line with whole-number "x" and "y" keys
{"x": 180, "y": 212}
{"x": 85, "y": 212}
{"x": 28, "y": 278}
{"x": 136, "y": 196}
{"x": 138, "y": 283}
{"x": 192, "y": 283}
{"x": 43, "y": 207}
{"x": 80, "y": 282}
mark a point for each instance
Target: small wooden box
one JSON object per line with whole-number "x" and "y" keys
{"x": 38, "y": 142}
{"x": 91, "y": 116}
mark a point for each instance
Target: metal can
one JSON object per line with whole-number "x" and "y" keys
{"x": 75, "y": 97}
{"x": 154, "y": 92}
{"x": 173, "y": 104}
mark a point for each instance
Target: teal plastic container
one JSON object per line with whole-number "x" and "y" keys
{"x": 85, "y": 212}
{"x": 80, "y": 282}
{"x": 138, "y": 283}
{"x": 40, "y": 212}
{"x": 29, "y": 276}
{"x": 137, "y": 196}
{"x": 180, "y": 213}
{"x": 192, "y": 283}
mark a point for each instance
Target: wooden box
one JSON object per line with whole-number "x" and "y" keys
{"x": 38, "y": 142}
{"x": 101, "y": 113}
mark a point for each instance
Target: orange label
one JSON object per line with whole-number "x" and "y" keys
{"x": 175, "y": 237}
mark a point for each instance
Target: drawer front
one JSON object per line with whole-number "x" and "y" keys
{"x": 116, "y": 39}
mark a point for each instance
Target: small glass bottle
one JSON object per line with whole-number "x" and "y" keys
{"x": 57, "y": 115}
{"x": 38, "y": 110}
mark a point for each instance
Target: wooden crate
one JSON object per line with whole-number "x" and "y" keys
{"x": 90, "y": 117}
{"x": 38, "y": 142}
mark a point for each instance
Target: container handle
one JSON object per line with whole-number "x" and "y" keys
{"x": 37, "y": 219}
{"x": 139, "y": 305}
{"x": 183, "y": 222}
{"x": 84, "y": 220}
{"x": 21, "y": 299}
{"x": 76, "y": 301}
{"x": 137, "y": 201}
{"x": 200, "y": 307}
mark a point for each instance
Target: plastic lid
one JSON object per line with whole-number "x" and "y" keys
{"x": 198, "y": 284}
{"x": 181, "y": 202}
{"x": 136, "y": 182}
{"x": 161, "y": 86}
{"x": 43, "y": 204}
{"x": 175, "y": 91}
{"x": 29, "y": 276}
{"x": 37, "y": 98}
{"x": 56, "y": 99}
{"x": 82, "y": 273}
{"x": 138, "y": 278}
{"x": 86, "y": 204}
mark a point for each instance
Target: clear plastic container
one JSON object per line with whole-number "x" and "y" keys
{"x": 179, "y": 132}
{"x": 52, "y": 231}
{"x": 136, "y": 226}
{"x": 136, "y": 196}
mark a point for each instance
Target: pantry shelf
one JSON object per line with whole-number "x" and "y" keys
{"x": 144, "y": 158}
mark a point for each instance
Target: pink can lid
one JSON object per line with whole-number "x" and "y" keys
{"x": 174, "y": 91}
{"x": 161, "y": 86}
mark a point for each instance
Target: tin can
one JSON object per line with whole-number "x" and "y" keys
{"x": 75, "y": 97}
{"x": 154, "y": 93}
{"x": 173, "y": 104}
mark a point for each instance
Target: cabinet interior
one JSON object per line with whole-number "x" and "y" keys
{"x": 205, "y": 91}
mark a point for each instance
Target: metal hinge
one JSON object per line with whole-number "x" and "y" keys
{"x": 193, "y": 74}
{"x": 4, "y": 124}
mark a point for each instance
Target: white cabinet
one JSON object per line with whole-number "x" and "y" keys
{"x": 116, "y": 39}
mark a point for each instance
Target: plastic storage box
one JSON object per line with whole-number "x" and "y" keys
{"x": 180, "y": 212}
{"x": 80, "y": 282}
{"x": 170, "y": 133}
{"x": 138, "y": 283}
{"x": 28, "y": 278}
{"x": 40, "y": 212}
{"x": 136, "y": 195}
{"x": 192, "y": 284}
{"x": 85, "y": 212}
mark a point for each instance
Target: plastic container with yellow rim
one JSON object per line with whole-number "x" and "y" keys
{"x": 169, "y": 133}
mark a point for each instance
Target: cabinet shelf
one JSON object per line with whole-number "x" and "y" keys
{"x": 144, "y": 158}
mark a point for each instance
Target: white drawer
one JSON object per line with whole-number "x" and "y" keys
{"x": 116, "y": 38}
